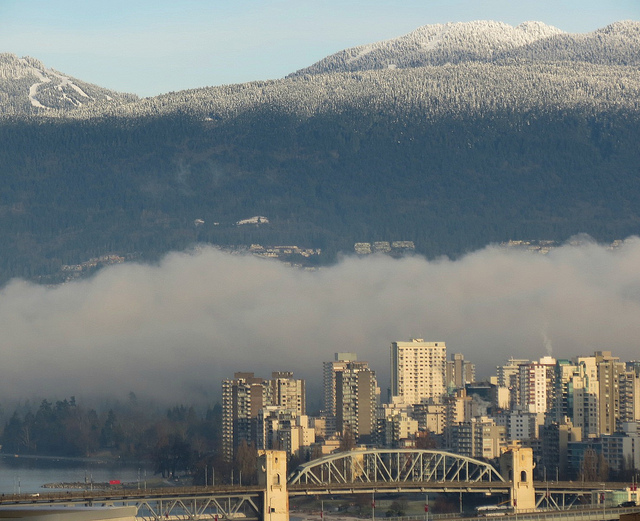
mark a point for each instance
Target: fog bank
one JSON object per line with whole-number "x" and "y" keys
{"x": 174, "y": 330}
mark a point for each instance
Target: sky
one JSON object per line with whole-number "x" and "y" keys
{"x": 149, "y": 47}
{"x": 173, "y": 330}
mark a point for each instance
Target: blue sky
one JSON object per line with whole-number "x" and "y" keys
{"x": 150, "y": 47}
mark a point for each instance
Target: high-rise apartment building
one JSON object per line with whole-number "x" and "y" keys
{"x": 418, "y": 371}
{"x": 330, "y": 370}
{"x": 630, "y": 393}
{"x": 395, "y": 426}
{"x": 245, "y": 395}
{"x": 507, "y": 372}
{"x": 459, "y": 372}
{"x": 356, "y": 401}
{"x": 595, "y": 392}
{"x": 536, "y": 385}
{"x": 242, "y": 398}
{"x": 609, "y": 370}
{"x": 507, "y": 376}
{"x": 477, "y": 437}
{"x": 585, "y": 396}
{"x": 288, "y": 392}
{"x": 458, "y": 407}
{"x": 562, "y": 407}
{"x": 279, "y": 428}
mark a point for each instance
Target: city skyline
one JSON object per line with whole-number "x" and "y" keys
{"x": 504, "y": 374}
{"x": 581, "y": 416}
{"x": 149, "y": 48}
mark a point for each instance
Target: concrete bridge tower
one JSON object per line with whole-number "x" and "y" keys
{"x": 272, "y": 475}
{"x": 516, "y": 465}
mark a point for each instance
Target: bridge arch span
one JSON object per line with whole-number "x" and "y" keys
{"x": 393, "y": 466}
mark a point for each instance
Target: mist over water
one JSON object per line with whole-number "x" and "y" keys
{"x": 174, "y": 330}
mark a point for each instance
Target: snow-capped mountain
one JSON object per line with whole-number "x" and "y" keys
{"x": 453, "y": 137}
{"x": 615, "y": 44}
{"x": 28, "y": 87}
{"x": 487, "y": 41}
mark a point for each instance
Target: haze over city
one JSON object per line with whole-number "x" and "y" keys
{"x": 174, "y": 330}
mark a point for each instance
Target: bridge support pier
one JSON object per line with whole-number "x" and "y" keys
{"x": 516, "y": 465}
{"x": 272, "y": 475}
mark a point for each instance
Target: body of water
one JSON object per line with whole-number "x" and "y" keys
{"x": 27, "y": 475}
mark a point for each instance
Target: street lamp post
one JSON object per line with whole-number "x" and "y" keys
{"x": 426, "y": 507}
{"x": 373, "y": 506}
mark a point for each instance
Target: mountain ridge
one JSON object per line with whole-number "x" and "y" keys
{"x": 451, "y": 157}
{"x": 458, "y": 42}
{"x": 28, "y": 87}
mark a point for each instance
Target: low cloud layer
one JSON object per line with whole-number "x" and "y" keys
{"x": 174, "y": 330}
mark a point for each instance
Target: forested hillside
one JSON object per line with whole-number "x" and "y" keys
{"x": 450, "y": 156}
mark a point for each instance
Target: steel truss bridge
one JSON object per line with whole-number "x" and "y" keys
{"x": 423, "y": 471}
{"x": 355, "y": 472}
{"x": 393, "y": 466}
{"x": 221, "y": 503}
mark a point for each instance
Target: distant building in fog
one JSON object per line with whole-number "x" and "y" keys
{"x": 459, "y": 372}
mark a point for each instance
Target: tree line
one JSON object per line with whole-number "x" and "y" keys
{"x": 175, "y": 440}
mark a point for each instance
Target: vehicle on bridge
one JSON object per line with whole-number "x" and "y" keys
{"x": 493, "y": 510}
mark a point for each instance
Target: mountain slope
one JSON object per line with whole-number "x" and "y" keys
{"x": 28, "y": 87}
{"x": 487, "y": 41}
{"x": 449, "y": 156}
{"x": 616, "y": 44}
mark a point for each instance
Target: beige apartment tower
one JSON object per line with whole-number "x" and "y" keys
{"x": 418, "y": 371}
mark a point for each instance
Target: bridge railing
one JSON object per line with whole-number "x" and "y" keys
{"x": 583, "y": 513}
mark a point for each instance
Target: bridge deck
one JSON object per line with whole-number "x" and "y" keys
{"x": 231, "y": 491}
